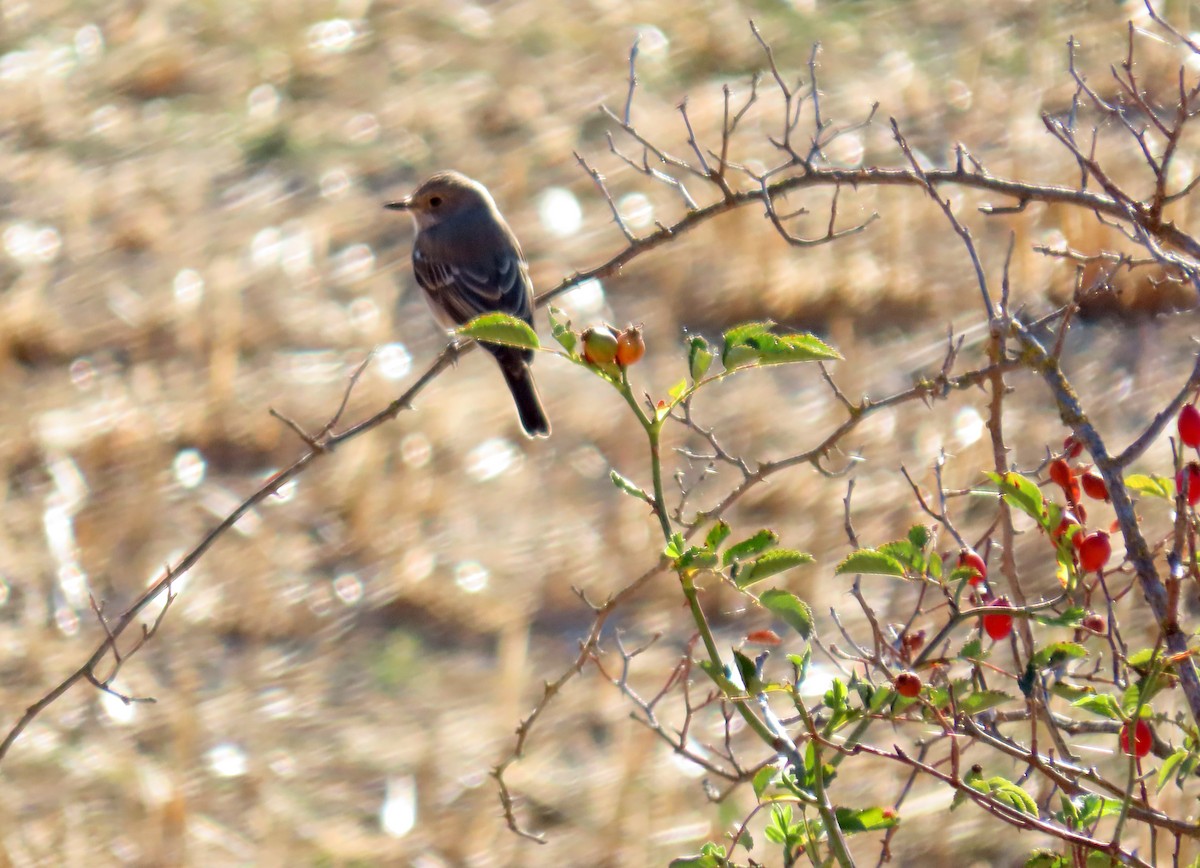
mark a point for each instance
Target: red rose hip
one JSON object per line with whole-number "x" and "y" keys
{"x": 998, "y": 625}
{"x": 1139, "y": 741}
{"x": 1093, "y": 485}
{"x": 1094, "y": 551}
{"x": 908, "y": 684}
{"x": 970, "y": 560}
{"x": 1189, "y": 425}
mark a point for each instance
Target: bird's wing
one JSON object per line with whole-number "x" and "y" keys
{"x": 464, "y": 291}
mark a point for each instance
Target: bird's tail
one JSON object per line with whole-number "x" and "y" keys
{"x": 529, "y": 406}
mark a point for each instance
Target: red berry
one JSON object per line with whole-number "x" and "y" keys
{"x": 969, "y": 560}
{"x": 1189, "y": 425}
{"x": 1142, "y": 739}
{"x": 914, "y": 641}
{"x": 1061, "y": 474}
{"x": 763, "y": 637}
{"x": 1191, "y": 474}
{"x": 1094, "y": 551}
{"x": 630, "y": 347}
{"x": 1072, "y": 448}
{"x": 908, "y": 684}
{"x": 1093, "y": 485}
{"x": 1093, "y": 622}
{"x": 997, "y": 625}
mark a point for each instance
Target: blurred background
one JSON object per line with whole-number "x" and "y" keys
{"x": 191, "y": 233}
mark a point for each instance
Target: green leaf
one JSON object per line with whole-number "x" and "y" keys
{"x": 935, "y": 565}
{"x": 850, "y": 820}
{"x": 500, "y": 328}
{"x": 1056, "y": 653}
{"x": 790, "y": 609}
{"x": 981, "y": 700}
{"x": 629, "y": 487}
{"x": 754, "y": 342}
{"x": 872, "y": 562}
{"x": 1069, "y": 618}
{"x": 676, "y": 391}
{"x": 795, "y": 347}
{"x": 918, "y": 535}
{"x": 750, "y": 547}
{"x": 696, "y": 557}
{"x": 1071, "y": 692}
{"x": 1169, "y": 765}
{"x": 699, "y": 358}
{"x": 1008, "y": 793}
{"x": 748, "y": 672}
{"x": 764, "y": 778}
{"x": 1152, "y": 485}
{"x": 1102, "y": 704}
{"x": 1023, "y": 494}
{"x": 560, "y": 327}
{"x": 972, "y": 650}
{"x": 674, "y": 548}
{"x": 906, "y": 553}
{"x": 1046, "y": 859}
{"x": 717, "y": 534}
{"x": 769, "y": 564}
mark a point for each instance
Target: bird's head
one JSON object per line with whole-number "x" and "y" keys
{"x": 443, "y": 197}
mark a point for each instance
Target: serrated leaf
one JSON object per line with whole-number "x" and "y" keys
{"x": 871, "y": 562}
{"x": 748, "y": 672}
{"x": 1169, "y": 765}
{"x": 1071, "y": 692}
{"x": 905, "y": 552}
{"x": 764, "y": 778}
{"x": 934, "y": 567}
{"x": 677, "y": 390}
{"x": 1023, "y": 494}
{"x": 796, "y": 347}
{"x": 1008, "y": 793}
{"x": 751, "y": 546}
{"x": 1056, "y": 653}
{"x": 790, "y": 609}
{"x": 918, "y": 535}
{"x": 1152, "y": 485}
{"x": 717, "y": 534}
{"x": 1046, "y": 859}
{"x": 1069, "y": 618}
{"x": 1102, "y": 704}
{"x": 972, "y": 650}
{"x": 699, "y": 358}
{"x": 560, "y": 328}
{"x": 755, "y": 343}
{"x": 629, "y": 486}
{"x": 696, "y": 557}
{"x": 500, "y": 328}
{"x": 851, "y": 821}
{"x": 981, "y": 700}
{"x": 769, "y": 564}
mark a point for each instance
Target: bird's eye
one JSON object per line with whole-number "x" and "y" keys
{"x": 435, "y": 201}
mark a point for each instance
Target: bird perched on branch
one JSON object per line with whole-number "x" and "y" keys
{"x": 468, "y": 262}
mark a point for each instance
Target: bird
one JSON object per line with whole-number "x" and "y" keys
{"x": 468, "y": 262}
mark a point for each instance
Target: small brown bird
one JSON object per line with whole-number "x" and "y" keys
{"x": 469, "y": 263}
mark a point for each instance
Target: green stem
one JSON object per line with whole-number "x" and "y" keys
{"x": 710, "y": 646}
{"x": 833, "y": 832}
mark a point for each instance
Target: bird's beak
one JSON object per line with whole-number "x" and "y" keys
{"x": 403, "y": 205}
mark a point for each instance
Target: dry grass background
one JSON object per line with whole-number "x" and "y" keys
{"x": 192, "y": 233}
